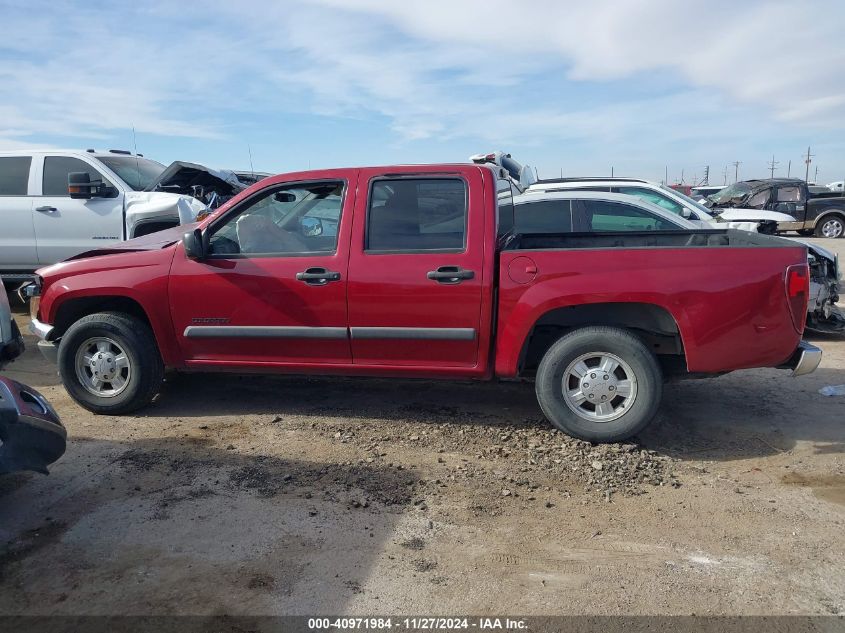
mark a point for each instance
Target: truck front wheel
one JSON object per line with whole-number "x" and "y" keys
{"x": 109, "y": 363}
{"x": 599, "y": 384}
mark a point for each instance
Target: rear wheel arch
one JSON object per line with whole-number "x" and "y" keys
{"x": 653, "y": 324}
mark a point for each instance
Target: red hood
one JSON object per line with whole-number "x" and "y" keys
{"x": 151, "y": 242}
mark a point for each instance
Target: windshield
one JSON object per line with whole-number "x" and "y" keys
{"x": 736, "y": 191}
{"x": 139, "y": 173}
{"x": 689, "y": 201}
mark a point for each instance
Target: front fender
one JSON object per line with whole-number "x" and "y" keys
{"x": 139, "y": 276}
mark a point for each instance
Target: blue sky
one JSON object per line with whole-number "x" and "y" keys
{"x": 581, "y": 87}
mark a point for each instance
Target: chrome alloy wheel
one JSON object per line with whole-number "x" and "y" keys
{"x": 833, "y": 227}
{"x": 599, "y": 386}
{"x": 102, "y": 367}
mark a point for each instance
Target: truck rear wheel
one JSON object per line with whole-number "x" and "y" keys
{"x": 831, "y": 226}
{"x": 109, "y": 363}
{"x": 599, "y": 384}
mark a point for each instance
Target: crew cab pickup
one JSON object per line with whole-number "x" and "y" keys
{"x": 820, "y": 214}
{"x": 428, "y": 272}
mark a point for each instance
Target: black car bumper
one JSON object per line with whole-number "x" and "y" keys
{"x": 31, "y": 435}
{"x": 14, "y": 348}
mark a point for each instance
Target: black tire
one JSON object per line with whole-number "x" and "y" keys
{"x": 137, "y": 342}
{"x": 835, "y": 219}
{"x": 806, "y": 232}
{"x": 620, "y": 343}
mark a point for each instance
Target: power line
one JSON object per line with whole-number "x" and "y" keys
{"x": 807, "y": 161}
{"x": 772, "y": 164}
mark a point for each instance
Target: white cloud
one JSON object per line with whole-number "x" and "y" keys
{"x": 784, "y": 58}
{"x": 486, "y": 70}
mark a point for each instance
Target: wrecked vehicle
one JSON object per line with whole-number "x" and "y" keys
{"x": 823, "y": 315}
{"x": 31, "y": 435}
{"x": 57, "y": 203}
{"x": 429, "y": 271}
{"x": 788, "y": 201}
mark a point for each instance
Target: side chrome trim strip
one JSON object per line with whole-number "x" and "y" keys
{"x": 414, "y": 333}
{"x": 360, "y": 333}
{"x": 262, "y": 331}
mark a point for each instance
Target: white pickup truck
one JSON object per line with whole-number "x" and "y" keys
{"x": 119, "y": 195}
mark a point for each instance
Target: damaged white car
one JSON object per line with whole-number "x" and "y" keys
{"x": 55, "y": 204}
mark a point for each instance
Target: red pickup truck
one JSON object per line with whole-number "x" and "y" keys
{"x": 424, "y": 271}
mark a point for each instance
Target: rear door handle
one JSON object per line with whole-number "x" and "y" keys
{"x": 46, "y": 209}
{"x": 317, "y": 276}
{"x": 450, "y": 274}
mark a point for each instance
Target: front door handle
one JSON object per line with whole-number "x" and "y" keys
{"x": 450, "y": 274}
{"x": 46, "y": 209}
{"x": 317, "y": 276}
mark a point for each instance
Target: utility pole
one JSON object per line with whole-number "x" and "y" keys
{"x": 725, "y": 176}
{"x": 682, "y": 176}
{"x": 736, "y": 165}
{"x": 611, "y": 171}
{"x": 772, "y": 165}
{"x": 807, "y": 162}
{"x": 666, "y": 176}
{"x": 816, "y": 177}
{"x": 706, "y": 180}
{"x": 789, "y": 168}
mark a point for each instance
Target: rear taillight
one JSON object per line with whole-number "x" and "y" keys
{"x": 798, "y": 293}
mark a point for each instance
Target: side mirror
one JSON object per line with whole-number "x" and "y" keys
{"x": 284, "y": 196}
{"x": 686, "y": 213}
{"x": 81, "y": 187}
{"x": 193, "y": 243}
{"x": 311, "y": 227}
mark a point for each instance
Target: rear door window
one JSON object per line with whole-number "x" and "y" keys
{"x": 417, "y": 214}
{"x": 789, "y": 194}
{"x": 56, "y": 170}
{"x": 543, "y": 216}
{"x": 661, "y": 200}
{"x": 14, "y": 175}
{"x": 604, "y": 216}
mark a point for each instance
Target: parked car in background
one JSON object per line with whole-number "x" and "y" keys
{"x": 701, "y": 192}
{"x": 822, "y": 214}
{"x": 31, "y": 435}
{"x": 432, "y": 272}
{"x": 115, "y": 195}
{"x": 823, "y": 315}
{"x": 667, "y": 198}
{"x": 836, "y": 186}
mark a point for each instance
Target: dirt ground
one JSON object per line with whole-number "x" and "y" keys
{"x": 286, "y": 495}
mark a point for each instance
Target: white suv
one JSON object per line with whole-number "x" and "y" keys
{"x": 43, "y": 220}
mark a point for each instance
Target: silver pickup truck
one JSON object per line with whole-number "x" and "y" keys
{"x": 31, "y": 435}
{"x": 55, "y": 204}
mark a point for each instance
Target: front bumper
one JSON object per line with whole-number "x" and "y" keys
{"x": 31, "y": 435}
{"x": 804, "y": 360}
{"x": 49, "y": 349}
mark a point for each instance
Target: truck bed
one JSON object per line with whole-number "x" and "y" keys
{"x": 724, "y": 289}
